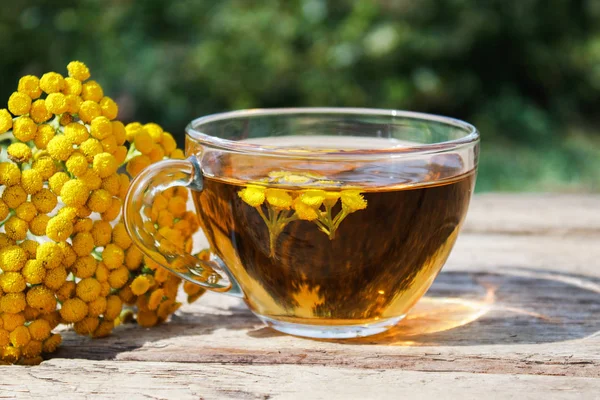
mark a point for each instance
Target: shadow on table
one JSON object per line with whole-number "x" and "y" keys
{"x": 513, "y": 306}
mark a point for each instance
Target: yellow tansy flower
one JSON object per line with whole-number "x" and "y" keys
{"x": 86, "y": 326}
{"x": 12, "y": 303}
{"x": 16, "y": 228}
{"x": 72, "y": 86}
{"x": 104, "y": 329}
{"x": 10, "y": 174}
{"x": 253, "y": 195}
{"x": 38, "y": 225}
{"x": 143, "y": 142}
{"x": 113, "y": 256}
{"x": 76, "y": 132}
{"x": 113, "y": 210}
{"x": 44, "y": 166}
{"x": 118, "y": 277}
{"x": 4, "y": 210}
{"x": 39, "y": 329}
{"x": 12, "y": 282}
{"x": 56, "y": 103}
{"x": 5, "y": 120}
{"x": 24, "y": 129}
{"x": 27, "y": 212}
{"x": 111, "y": 184}
{"x": 88, "y": 289}
{"x": 69, "y": 255}
{"x": 99, "y": 201}
{"x": 352, "y": 200}
{"x": 39, "y": 113}
{"x": 104, "y": 164}
{"x": 74, "y": 193}
{"x": 4, "y": 337}
{"x": 78, "y": 70}
{"x": 59, "y": 228}
{"x": 44, "y": 134}
{"x": 51, "y": 82}
{"x": 113, "y": 307}
{"x": 49, "y": 254}
{"x": 118, "y": 130}
{"x": 44, "y": 200}
{"x": 30, "y": 85}
{"x": 83, "y": 225}
{"x": 279, "y": 198}
{"x": 20, "y": 336}
{"x": 57, "y": 181}
{"x": 73, "y": 310}
{"x": 304, "y": 211}
{"x": 91, "y": 90}
{"x": 140, "y": 285}
{"x": 91, "y": 147}
{"x": 60, "y": 148}
{"x": 83, "y": 243}
{"x": 85, "y": 267}
{"x": 73, "y": 103}
{"x": 101, "y": 232}
{"x": 31, "y": 181}
{"x": 109, "y": 108}
{"x": 97, "y": 307}
{"x": 89, "y": 110}
{"x": 32, "y": 350}
{"x": 77, "y": 164}
{"x": 66, "y": 291}
{"x": 19, "y": 152}
{"x": 137, "y": 164}
{"x": 101, "y": 128}
{"x": 14, "y": 196}
{"x": 168, "y": 143}
{"x": 55, "y": 278}
{"x": 19, "y": 103}
{"x": 34, "y": 272}
{"x": 11, "y": 321}
{"x": 91, "y": 179}
{"x": 51, "y": 344}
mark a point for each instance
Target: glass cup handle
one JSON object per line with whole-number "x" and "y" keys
{"x": 213, "y": 274}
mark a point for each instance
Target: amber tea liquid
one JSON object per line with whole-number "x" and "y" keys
{"x": 379, "y": 262}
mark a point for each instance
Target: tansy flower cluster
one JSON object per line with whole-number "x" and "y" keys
{"x": 65, "y": 256}
{"x": 316, "y": 205}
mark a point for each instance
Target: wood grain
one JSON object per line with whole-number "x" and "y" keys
{"x": 160, "y": 380}
{"x": 515, "y": 312}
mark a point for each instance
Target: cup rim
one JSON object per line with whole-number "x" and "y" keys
{"x": 471, "y": 133}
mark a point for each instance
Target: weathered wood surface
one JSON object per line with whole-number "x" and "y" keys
{"x": 515, "y": 313}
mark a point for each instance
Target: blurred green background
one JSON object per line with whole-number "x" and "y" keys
{"x": 525, "y": 72}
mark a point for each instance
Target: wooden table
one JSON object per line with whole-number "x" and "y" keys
{"x": 515, "y": 313}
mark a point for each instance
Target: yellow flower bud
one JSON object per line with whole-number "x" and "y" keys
{"x": 73, "y": 103}
{"x": 99, "y": 201}
{"x": 12, "y": 282}
{"x": 5, "y": 120}
{"x": 104, "y": 164}
{"x": 78, "y": 70}
{"x": 97, "y": 307}
{"x": 113, "y": 256}
{"x": 44, "y": 134}
{"x": 88, "y": 289}
{"x": 20, "y": 337}
{"x": 86, "y": 326}
{"x": 10, "y": 174}
{"x": 279, "y": 198}
{"x": 352, "y": 201}
{"x": 44, "y": 200}
{"x": 39, "y": 113}
{"x": 56, "y": 103}
{"x": 26, "y": 211}
{"x": 101, "y": 232}
{"x": 16, "y": 228}
{"x": 76, "y": 132}
{"x": 88, "y": 110}
{"x": 51, "y": 82}
{"x": 19, "y": 152}
{"x": 168, "y": 143}
{"x": 55, "y": 278}
{"x": 147, "y": 319}
{"x": 60, "y": 148}
{"x": 14, "y": 196}
{"x": 253, "y": 195}
{"x": 72, "y": 86}
{"x": 59, "y": 228}
{"x": 74, "y": 193}
{"x": 113, "y": 211}
{"x": 91, "y": 147}
{"x": 40, "y": 329}
{"x": 303, "y": 211}
{"x": 83, "y": 243}
{"x": 51, "y": 344}
{"x": 30, "y": 247}
{"x": 85, "y": 267}
{"x": 101, "y": 128}
{"x": 91, "y": 90}
{"x": 137, "y": 164}
{"x": 31, "y": 181}
{"x": 133, "y": 258}
{"x": 4, "y": 210}
{"x": 143, "y": 142}
{"x": 109, "y": 144}
{"x": 83, "y": 225}
{"x": 118, "y": 277}
{"x": 113, "y": 307}
{"x": 34, "y": 272}
{"x": 30, "y": 85}
{"x": 19, "y": 103}
{"x": 109, "y": 108}
{"x": 119, "y": 133}
{"x": 12, "y": 303}
{"x": 91, "y": 179}
{"x": 73, "y": 310}
{"x": 77, "y": 164}
{"x": 38, "y": 225}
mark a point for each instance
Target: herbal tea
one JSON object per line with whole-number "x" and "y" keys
{"x": 307, "y": 249}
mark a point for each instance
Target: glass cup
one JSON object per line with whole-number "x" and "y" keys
{"x": 328, "y": 222}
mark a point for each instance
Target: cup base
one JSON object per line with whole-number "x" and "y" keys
{"x": 330, "y": 331}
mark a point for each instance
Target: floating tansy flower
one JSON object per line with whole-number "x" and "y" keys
{"x": 279, "y": 198}
{"x": 352, "y": 200}
{"x": 253, "y": 195}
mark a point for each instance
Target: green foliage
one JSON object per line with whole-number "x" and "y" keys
{"x": 525, "y": 72}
